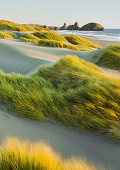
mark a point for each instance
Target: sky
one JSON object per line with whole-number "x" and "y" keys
{"x": 56, "y": 12}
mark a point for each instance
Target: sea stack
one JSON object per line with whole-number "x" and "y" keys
{"x": 76, "y": 26}
{"x": 73, "y": 27}
{"x": 64, "y": 27}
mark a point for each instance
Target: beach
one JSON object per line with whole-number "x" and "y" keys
{"x": 102, "y": 43}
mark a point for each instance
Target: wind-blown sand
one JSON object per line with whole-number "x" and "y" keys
{"x": 93, "y": 147}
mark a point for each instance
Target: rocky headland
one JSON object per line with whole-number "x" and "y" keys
{"x": 88, "y": 27}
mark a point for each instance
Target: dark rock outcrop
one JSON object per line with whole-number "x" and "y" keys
{"x": 92, "y": 27}
{"x": 73, "y": 27}
{"x": 76, "y": 26}
{"x": 64, "y": 27}
{"x": 70, "y": 27}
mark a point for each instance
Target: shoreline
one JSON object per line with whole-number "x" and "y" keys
{"x": 102, "y": 43}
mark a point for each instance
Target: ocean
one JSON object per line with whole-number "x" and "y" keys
{"x": 107, "y": 34}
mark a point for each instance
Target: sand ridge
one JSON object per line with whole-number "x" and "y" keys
{"x": 54, "y": 54}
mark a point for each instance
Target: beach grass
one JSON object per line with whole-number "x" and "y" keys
{"x": 16, "y": 154}
{"x": 82, "y": 42}
{"x": 47, "y": 43}
{"x": 52, "y": 39}
{"x": 11, "y": 26}
{"x": 110, "y": 57}
{"x": 50, "y": 35}
{"x": 58, "y": 44}
{"x": 29, "y": 38}
{"x": 72, "y": 92}
{"x": 7, "y": 34}
{"x": 40, "y": 29}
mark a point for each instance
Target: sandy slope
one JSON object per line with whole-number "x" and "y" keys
{"x": 92, "y": 147}
{"x": 12, "y": 60}
{"x": 52, "y": 54}
{"x": 49, "y": 53}
{"x": 111, "y": 73}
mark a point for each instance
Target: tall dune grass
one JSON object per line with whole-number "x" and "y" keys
{"x": 50, "y": 35}
{"x": 47, "y": 42}
{"x": 73, "y": 92}
{"x": 110, "y": 57}
{"x": 52, "y": 39}
{"x": 29, "y": 38}
{"x": 22, "y": 155}
{"x": 5, "y": 25}
{"x": 82, "y": 42}
{"x": 7, "y": 34}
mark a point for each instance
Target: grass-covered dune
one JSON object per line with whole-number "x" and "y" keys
{"x": 82, "y": 42}
{"x": 44, "y": 37}
{"x": 110, "y": 57}
{"x": 11, "y": 26}
{"x": 50, "y": 35}
{"x": 22, "y": 155}
{"x": 29, "y": 38}
{"x": 73, "y": 92}
{"x": 7, "y": 34}
{"x": 52, "y": 39}
{"x": 6, "y": 22}
{"x": 47, "y": 42}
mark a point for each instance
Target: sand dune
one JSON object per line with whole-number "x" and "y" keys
{"x": 93, "y": 147}
{"x": 12, "y": 60}
{"x": 46, "y": 54}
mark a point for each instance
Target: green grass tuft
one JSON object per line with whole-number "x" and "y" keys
{"x": 7, "y": 34}
{"x": 110, "y": 57}
{"x": 50, "y": 43}
{"x": 50, "y": 35}
{"x": 15, "y": 27}
{"x": 59, "y": 44}
{"x": 82, "y": 42}
{"x": 29, "y": 38}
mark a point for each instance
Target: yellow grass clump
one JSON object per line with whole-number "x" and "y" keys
{"x": 22, "y": 155}
{"x": 7, "y": 34}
